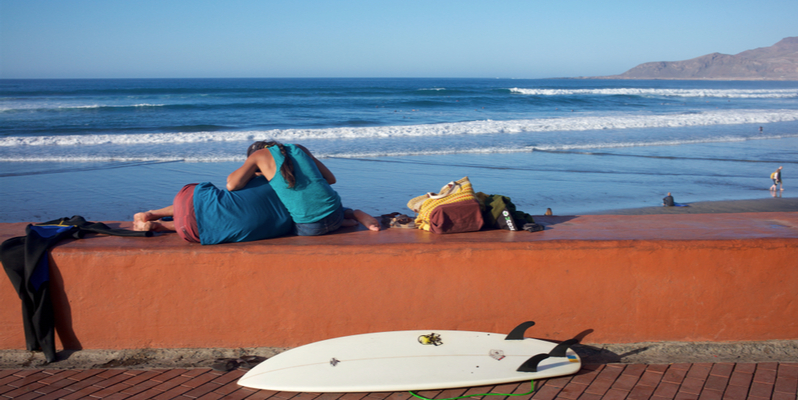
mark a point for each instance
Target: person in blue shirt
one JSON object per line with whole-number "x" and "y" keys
{"x": 303, "y": 184}
{"x": 202, "y": 213}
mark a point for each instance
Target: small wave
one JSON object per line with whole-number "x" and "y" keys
{"x": 575, "y": 124}
{"x": 716, "y": 93}
{"x": 724, "y": 139}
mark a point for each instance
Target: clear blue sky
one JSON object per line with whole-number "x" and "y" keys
{"x": 374, "y": 38}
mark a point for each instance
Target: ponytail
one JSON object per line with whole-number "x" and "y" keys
{"x": 287, "y": 168}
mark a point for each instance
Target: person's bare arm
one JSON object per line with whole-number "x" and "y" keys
{"x": 260, "y": 161}
{"x": 326, "y": 173}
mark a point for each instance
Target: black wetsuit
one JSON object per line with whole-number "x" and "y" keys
{"x": 25, "y": 261}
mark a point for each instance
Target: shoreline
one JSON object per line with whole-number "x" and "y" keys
{"x": 778, "y": 204}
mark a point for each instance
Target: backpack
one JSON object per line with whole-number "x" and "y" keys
{"x": 772, "y": 176}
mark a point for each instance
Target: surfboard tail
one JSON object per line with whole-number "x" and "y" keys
{"x": 560, "y": 351}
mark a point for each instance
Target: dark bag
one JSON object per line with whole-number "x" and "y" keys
{"x": 464, "y": 216}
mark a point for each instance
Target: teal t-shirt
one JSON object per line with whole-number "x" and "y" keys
{"x": 312, "y": 198}
{"x": 251, "y": 213}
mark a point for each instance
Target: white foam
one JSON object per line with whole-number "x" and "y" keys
{"x": 718, "y": 93}
{"x": 573, "y": 123}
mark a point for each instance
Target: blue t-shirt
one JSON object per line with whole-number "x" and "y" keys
{"x": 311, "y": 198}
{"x": 251, "y": 213}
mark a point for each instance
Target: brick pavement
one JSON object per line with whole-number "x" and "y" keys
{"x": 689, "y": 381}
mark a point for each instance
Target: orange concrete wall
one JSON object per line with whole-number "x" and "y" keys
{"x": 115, "y": 293}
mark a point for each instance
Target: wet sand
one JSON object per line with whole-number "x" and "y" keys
{"x": 778, "y": 204}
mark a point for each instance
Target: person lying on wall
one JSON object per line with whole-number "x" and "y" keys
{"x": 250, "y": 210}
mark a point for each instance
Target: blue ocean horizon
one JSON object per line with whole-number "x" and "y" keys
{"x": 108, "y": 148}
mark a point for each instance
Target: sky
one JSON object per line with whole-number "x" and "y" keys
{"x": 374, "y": 38}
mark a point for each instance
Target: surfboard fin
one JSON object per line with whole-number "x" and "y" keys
{"x": 561, "y": 349}
{"x": 518, "y": 333}
{"x": 532, "y": 363}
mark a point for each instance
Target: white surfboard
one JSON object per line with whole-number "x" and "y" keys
{"x": 413, "y": 360}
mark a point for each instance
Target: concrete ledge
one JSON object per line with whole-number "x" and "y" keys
{"x": 630, "y": 279}
{"x": 626, "y": 353}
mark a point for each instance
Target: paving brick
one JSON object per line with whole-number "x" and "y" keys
{"x": 641, "y": 392}
{"x": 625, "y": 382}
{"x": 202, "y": 390}
{"x": 172, "y": 383}
{"x": 765, "y": 375}
{"x": 82, "y": 393}
{"x": 650, "y": 378}
{"x": 717, "y": 383}
{"x": 603, "y": 381}
{"x": 586, "y": 375}
{"x": 547, "y": 392}
{"x": 28, "y": 379}
{"x": 199, "y": 380}
{"x": 147, "y": 394}
{"x": 722, "y": 369}
{"x": 168, "y": 374}
{"x": 758, "y": 389}
{"x": 686, "y": 396}
{"x": 6, "y": 372}
{"x": 710, "y": 394}
{"x": 139, "y": 387}
{"x": 59, "y": 375}
{"x": 58, "y": 394}
{"x": 787, "y": 370}
{"x": 786, "y": 385}
{"x": 572, "y": 391}
{"x": 674, "y": 374}
{"x": 692, "y": 386}
{"x": 28, "y": 396}
{"x": 615, "y": 394}
{"x": 735, "y": 393}
{"x": 699, "y": 371}
{"x": 226, "y": 378}
{"x": 17, "y": 392}
{"x": 112, "y": 380}
{"x": 666, "y": 389}
{"x": 172, "y": 393}
{"x": 85, "y": 374}
{"x": 559, "y": 382}
{"x": 634, "y": 369}
{"x": 740, "y": 379}
{"x": 589, "y": 396}
{"x": 228, "y": 388}
{"x": 747, "y": 368}
{"x": 658, "y": 367}
{"x": 784, "y": 396}
{"x": 768, "y": 365}
{"x": 240, "y": 393}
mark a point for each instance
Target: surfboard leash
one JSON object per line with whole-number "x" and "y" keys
{"x": 533, "y": 389}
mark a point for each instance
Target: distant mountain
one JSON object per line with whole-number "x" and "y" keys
{"x": 778, "y": 62}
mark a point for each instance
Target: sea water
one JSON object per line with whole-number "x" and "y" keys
{"x": 108, "y": 148}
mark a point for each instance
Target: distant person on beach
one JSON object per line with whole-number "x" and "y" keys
{"x": 303, "y": 185}
{"x": 669, "y": 201}
{"x": 776, "y": 179}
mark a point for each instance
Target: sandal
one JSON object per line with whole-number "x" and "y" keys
{"x": 230, "y": 364}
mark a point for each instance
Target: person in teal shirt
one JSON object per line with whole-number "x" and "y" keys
{"x": 303, "y": 186}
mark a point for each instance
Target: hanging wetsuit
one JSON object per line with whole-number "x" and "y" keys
{"x": 25, "y": 261}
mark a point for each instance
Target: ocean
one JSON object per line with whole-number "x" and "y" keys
{"x": 106, "y": 149}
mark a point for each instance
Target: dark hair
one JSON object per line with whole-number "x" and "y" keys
{"x": 287, "y": 168}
